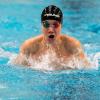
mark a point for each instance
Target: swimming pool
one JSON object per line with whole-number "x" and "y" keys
{"x": 20, "y": 20}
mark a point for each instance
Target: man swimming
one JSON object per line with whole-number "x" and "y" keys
{"x": 64, "y": 51}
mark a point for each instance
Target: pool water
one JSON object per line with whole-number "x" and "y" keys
{"x": 20, "y": 20}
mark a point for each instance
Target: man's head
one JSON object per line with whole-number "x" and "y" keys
{"x": 51, "y": 19}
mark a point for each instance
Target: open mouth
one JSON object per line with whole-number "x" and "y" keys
{"x": 51, "y": 36}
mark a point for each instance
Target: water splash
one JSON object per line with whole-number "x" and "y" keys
{"x": 7, "y": 54}
{"x": 96, "y": 60}
{"x": 49, "y": 61}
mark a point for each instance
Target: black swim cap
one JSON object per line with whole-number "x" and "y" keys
{"x": 52, "y": 12}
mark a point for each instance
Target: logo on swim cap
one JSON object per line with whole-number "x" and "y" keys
{"x": 51, "y": 15}
{"x": 52, "y": 12}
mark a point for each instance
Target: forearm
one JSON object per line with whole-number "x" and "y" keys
{"x": 21, "y": 60}
{"x": 85, "y": 61}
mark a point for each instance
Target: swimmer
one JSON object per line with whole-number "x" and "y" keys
{"x": 51, "y": 40}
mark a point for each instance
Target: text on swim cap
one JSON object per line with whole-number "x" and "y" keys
{"x": 51, "y": 15}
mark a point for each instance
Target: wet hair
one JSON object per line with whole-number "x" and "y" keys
{"x": 52, "y": 12}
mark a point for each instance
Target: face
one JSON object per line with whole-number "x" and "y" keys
{"x": 51, "y": 30}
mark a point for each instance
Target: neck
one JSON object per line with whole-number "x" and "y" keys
{"x": 53, "y": 44}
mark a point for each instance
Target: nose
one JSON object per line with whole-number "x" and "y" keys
{"x": 50, "y": 30}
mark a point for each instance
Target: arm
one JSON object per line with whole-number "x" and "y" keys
{"x": 77, "y": 51}
{"x": 81, "y": 56}
{"x": 22, "y": 57}
{"x": 29, "y": 47}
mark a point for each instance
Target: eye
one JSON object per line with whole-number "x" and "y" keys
{"x": 56, "y": 25}
{"x": 46, "y": 24}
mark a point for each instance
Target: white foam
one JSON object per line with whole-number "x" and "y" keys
{"x": 9, "y": 44}
{"x": 7, "y": 54}
{"x": 47, "y": 61}
{"x": 96, "y": 60}
{"x": 4, "y": 54}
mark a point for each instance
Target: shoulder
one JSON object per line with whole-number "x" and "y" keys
{"x": 30, "y": 45}
{"x": 70, "y": 40}
{"x": 71, "y": 44}
{"x": 32, "y": 40}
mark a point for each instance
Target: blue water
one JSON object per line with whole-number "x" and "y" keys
{"x": 20, "y": 20}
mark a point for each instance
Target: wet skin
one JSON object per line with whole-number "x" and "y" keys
{"x": 51, "y": 39}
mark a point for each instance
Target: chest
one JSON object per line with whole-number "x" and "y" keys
{"x": 58, "y": 52}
